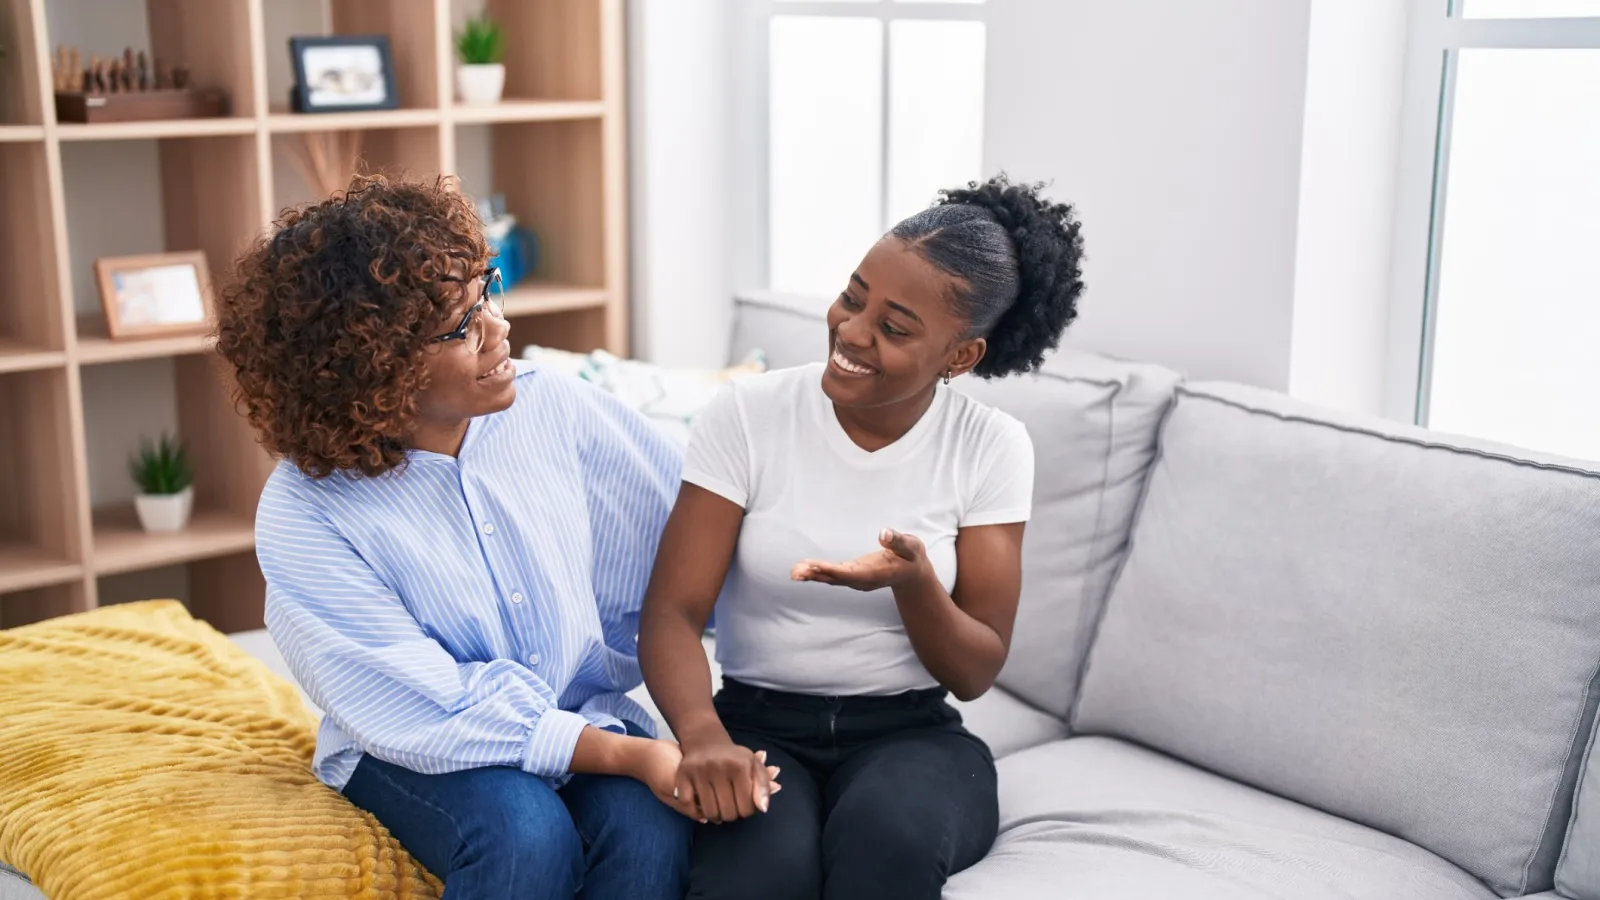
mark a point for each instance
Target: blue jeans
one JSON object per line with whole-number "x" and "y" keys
{"x": 498, "y": 832}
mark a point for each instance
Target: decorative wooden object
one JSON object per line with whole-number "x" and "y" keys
{"x": 127, "y": 89}
{"x": 558, "y": 142}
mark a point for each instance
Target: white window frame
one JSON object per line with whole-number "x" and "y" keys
{"x": 752, "y": 68}
{"x": 1437, "y": 33}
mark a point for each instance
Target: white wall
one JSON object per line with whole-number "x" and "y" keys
{"x": 1354, "y": 93}
{"x": 1176, "y": 129}
{"x": 680, "y": 137}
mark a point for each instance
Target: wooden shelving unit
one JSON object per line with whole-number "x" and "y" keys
{"x": 555, "y": 148}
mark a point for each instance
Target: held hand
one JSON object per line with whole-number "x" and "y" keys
{"x": 725, "y": 782}
{"x": 657, "y": 768}
{"x": 901, "y": 559}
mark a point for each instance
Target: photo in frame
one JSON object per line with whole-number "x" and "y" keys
{"x": 156, "y": 295}
{"x": 342, "y": 73}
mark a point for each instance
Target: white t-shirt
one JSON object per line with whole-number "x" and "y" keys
{"x": 773, "y": 445}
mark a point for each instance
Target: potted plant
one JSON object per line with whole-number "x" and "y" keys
{"x": 166, "y": 485}
{"x": 481, "y": 77}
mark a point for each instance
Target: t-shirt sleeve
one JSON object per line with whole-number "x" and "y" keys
{"x": 1004, "y": 491}
{"x": 718, "y": 457}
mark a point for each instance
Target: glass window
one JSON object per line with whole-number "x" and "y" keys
{"x": 825, "y": 169}
{"x": 1529, "y": 9}
{"x": 1518, "y": 301}
{"x": 935, "y": 110}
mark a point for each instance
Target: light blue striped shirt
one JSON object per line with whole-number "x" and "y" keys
{"x": 477, "y": 610}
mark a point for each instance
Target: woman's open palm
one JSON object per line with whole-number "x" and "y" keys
{"x": 901, "y": 559}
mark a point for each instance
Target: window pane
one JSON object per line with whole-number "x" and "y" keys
{"x": 935, "y": 110}
{"x": 825, "y": 164}
{"x": 1529, "y": 9}
{"x": 1518, "y": 322}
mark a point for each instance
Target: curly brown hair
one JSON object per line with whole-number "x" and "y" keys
{"x": 324, "y": 321}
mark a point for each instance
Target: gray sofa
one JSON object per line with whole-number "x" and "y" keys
{"x": 1267, "y": 651}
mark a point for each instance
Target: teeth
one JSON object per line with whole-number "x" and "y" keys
{"x": 848, "y": 366}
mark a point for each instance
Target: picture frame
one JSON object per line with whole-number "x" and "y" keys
{"x": 155, "y": 295}
{"x": 342, "y": 73}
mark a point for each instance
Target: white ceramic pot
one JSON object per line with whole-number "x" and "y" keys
{"x": 480, "y": 85}
{"x": 165, "y": 512}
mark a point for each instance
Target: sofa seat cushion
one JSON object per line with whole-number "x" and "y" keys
{"x": 1101, "y": 819}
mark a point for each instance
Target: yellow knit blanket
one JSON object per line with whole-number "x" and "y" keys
{"x": 143, "y": 754}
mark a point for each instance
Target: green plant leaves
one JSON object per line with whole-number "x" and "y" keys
{"x": 481, "y": 41}
{"x": 161, "y": 467}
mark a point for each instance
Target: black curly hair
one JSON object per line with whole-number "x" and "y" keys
{"x": 1018, "y": 263}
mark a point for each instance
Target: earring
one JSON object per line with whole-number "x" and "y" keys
{"x": 946, "y": 376}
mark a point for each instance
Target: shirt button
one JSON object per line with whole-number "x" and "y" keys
{"x": 488, "y": 528}
{"x": 516, "y": 597}
{"x": 533, "y": 659}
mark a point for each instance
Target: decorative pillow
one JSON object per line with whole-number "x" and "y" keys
{"x": 142, "y": 754}
{"x": 669, "y": 397}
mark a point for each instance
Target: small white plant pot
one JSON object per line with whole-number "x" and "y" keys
{"x": 165, "y": 512}
{"x": 480, "y": 85}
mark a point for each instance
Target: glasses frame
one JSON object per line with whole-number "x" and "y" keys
{"x": 493, "y": 286}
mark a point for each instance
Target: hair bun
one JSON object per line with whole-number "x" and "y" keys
{"x": 1049, "y": 247}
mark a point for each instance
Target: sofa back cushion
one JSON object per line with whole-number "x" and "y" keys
{"x": 1388, "y": 624}
{"x": 1093, "y": 421}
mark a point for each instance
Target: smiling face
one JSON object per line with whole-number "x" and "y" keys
{"x": 892, "y": 334}
{"x": 473, "y": 376}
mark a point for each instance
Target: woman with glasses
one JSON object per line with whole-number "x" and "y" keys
{"x": 455, "y": 550}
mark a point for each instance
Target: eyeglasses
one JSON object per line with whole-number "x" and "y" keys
{"x": 491, "y": 302}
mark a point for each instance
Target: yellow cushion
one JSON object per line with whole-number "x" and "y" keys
{"x": 142, "y": 754}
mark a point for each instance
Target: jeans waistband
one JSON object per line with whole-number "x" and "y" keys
{"x": 734, "y": 689}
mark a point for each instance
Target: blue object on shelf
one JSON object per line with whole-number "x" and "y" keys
{"x": 516, "y": 252}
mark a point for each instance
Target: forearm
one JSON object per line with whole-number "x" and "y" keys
{"x": 958, "y": 650}
{"x": 602, "y": 752}
{"x": 679, "y": 678}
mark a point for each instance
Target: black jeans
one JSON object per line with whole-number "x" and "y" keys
{"x": 883, "y": 797}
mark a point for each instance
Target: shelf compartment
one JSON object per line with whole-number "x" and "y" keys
{"x": 39, "y": 536}
{"x": 576, "y": 330}
{"x": 411, "y": 26}
{"x": 210, "y": 37}
{"x": 25, "y": 567}
{"x": 412, "y": 152}
{"x": 174, "y": 194}
{"x": 554, "y": 46}
{"x": 32, "y": 314}
{"x": 38, "y": 604}
{"x": 225, "y": 590}
{"x": 190, "y": 396}
{"x": 551, "y": 175}
{"x": 121, "y": 546}
{"x": 20, "y": 91}
{"x": 528, "y": 111}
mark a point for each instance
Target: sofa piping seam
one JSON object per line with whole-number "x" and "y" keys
{"x": 1391, "y": 438}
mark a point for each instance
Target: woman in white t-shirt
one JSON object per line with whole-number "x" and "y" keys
{"x": 868, "y": 458}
